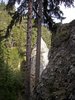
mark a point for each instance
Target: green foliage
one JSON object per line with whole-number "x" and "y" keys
{"x": 12, "y": 53}
{"x": 10, "y": 80}
{"x": 46, "y": 35}
{"x": 2, "y": 5}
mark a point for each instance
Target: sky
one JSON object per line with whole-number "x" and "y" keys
{"x": 69, "y": 13}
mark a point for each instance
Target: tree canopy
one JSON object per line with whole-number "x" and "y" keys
{"x": 50, "y": 10}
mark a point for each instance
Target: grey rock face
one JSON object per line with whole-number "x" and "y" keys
{"x": 58, "y": 79}
{"x": 43, "y": 62}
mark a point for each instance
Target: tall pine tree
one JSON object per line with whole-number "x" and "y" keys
{"x": 39, "y": 23}
{"x": 28, "y": 51}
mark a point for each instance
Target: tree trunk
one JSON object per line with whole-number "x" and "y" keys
{"x": 28, "y": 52}
{"x": 37, "y": 66}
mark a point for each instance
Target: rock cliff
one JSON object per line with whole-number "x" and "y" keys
{"x": 43, "y": 62}
{"x": 58, "y": 79}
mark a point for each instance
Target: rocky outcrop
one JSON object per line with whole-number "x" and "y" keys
{"x": 58, "y": 79}
{"x": 43, "y": 62}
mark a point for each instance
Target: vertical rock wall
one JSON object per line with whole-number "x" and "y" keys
{"x": 58, "y": 79}
{"x": 43, "y": 62}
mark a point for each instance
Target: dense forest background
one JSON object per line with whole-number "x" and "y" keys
{"x": 12, "y": 54}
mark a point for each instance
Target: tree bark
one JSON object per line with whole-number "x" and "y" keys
{"x": 28, "y": 52}
{"x": 37, "y": 66}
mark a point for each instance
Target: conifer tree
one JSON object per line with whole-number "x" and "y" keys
{"x": 38, "y": 49}
{"x": 50, "y": 9}
{"x": 28, "y": 51}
